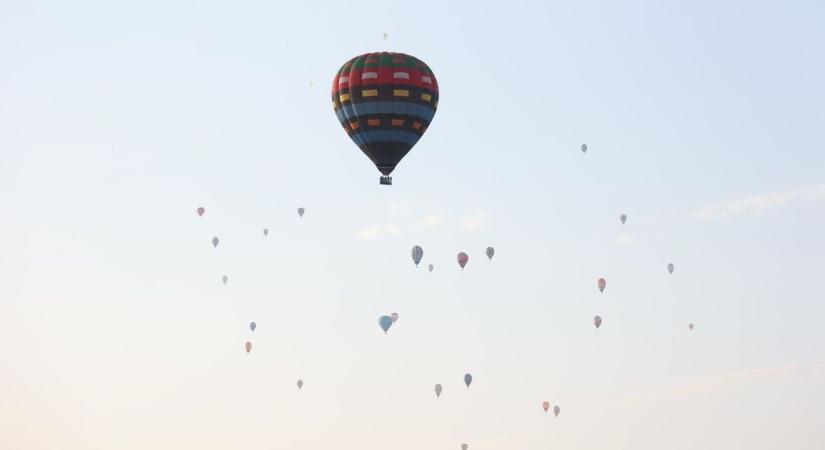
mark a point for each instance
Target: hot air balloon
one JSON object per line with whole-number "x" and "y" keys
{"x": 300, "y": 384}
{"x": 394, "y": 317}
{"x": 690, "y": 326}
{"x": 310, "y": 84}
{"x": 462, "y": 259}
{"x": 252, "y": 326}
{"x": 430, "y": 267}
{"x": 266, "y": 231}
{"x": 602, "y": 283}
{"x": 545, "y": 406}
{"x": 385, "y": 102}
{"x": 301, "y": 212}
{"x": 584, "y": 148}
{"x": 385, "y": 322}
{"x": 556, "y": 410}
{"x": 215, "y": 241}
{"x": 490, "y": 252}
{"x": 438, "y": 389}
{"x": 248, "y": 347}
{"x": 468, "y": 379}
{"x": 417, "y": 254}
{"x": 464, "y": 446}
{"x": 597, "y": 321}
{"x": 200, "y": 211}
{"x": 671, "y": 267}
{"x": 224, "y": 279}
{"x": 623, "y": 218}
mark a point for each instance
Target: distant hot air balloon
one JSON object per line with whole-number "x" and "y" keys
{"x": 385, "y": 36}
{"x": 462, "y": 259}
{"x": 490, "y": 252}
{"x": 201, "y": 210}
{"x": 224, "y": 279}
{"x": 252, "y": 326}
{"x": 266, "y": 231}
{"x": 385, "y": 322}
{"x": 468, "y": 379}
{"x": 215, "y": 241}
{"x": 671, "y": 267}
{"x": 690, "y": 325}
{"x": 301, "y": 212}
{"x": 310, "y": 84}
{"x": 385, "y": 102}
{"x": 556, "y": 410}
{"x": 394, "y": 317}
{"x": 248, "y": 347}
{"x": 602, "y": 283}
{"x": 545, "y": 406}
{"x": 584, "y": 148}
{"x": 597, "y": 321}
{"x": 438, "y": 389}
{"x": 464, "y": 446}
{"x": 430, "y": 267}
{"x": 417, "y": 254}
{"x": 300, "y": 384}
{"x": 623, "y": 218}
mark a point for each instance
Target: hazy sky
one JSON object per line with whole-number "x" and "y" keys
{"x": 705, "y": 122}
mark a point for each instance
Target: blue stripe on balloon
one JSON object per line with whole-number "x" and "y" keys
{"x": 366, "y": 108}
{"x": 366, "y": 137}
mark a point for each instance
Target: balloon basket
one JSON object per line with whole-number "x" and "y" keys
{"x": 386, "y": 180}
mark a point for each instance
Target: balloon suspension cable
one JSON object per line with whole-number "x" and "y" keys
{"x": 386, "y": 179}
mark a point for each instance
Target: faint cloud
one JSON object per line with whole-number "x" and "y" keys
{"x": 369, "y": 233}
{"x": 756, "y": 204}
{"x": 626, "y": 240}
{"x": 404, "y": 217}
{"x": 692, "y": 388}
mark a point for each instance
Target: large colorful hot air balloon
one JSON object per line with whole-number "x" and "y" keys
{"x": 417, "y": 254}
{"x": 385, "y": 102}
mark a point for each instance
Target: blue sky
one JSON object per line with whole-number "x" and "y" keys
{"x": 704, "y": 122}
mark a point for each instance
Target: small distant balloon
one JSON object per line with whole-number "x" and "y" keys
{"x": 556, "y": 410}
{"x": 670, "y": 268}
{"x": 394, "y": 317}
{"x": 266, "y": 231}
{"x": 417, "y": 254}
{"x": 597, "y": 321}
{"x": 200, "y": 211}
{"x": 301, "y": 212}
{"x": 690, "y": 325}
{"x": 252, "y": 326}
{"x": 248, "y": 347}
{"x": 224, "y": 279}
{"x": 602, "y": 283}
{"x": 385, "y": 322}
{"x": 490, "y": 252}
{"x": 545, "y": 406}
{"x": 584, "y": 148}
{"x": 300, "y": 384}
{"x": 215, "y": 241}
{"x": 462, "y": 259}
{"x": 438, "y": 389}
{"x": 464, "y": 446}
{"x": 468, "y": 379}
{"x": 430, "y": 267}
{"x": 623, "y": 218}
{"x": 385, "y": 36}
{"x": 310, "y": 84}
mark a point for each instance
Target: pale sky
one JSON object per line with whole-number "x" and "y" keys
{"x": 705, "y": 122}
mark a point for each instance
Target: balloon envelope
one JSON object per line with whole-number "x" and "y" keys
{"x": 670, "y": 268}
{"x": 462, "y": 259}
{"x": 394, "y": 316}
{"x": 690, "y": 325}
{"x": 597, "y": 321}
{"x": 385, "y": 322}
{"x": 266, "y": 231}
{"x": 430, "y": 268}
{"x": 602, "y": 283}
{"x": 417, "y": 254}
{"x": 468, "y": 379}
{"x": 224, "y": 279}
{"x": 545, "y": 406}
{"x": 623, "y": 218}
{"x": 248, "y": 347}
{"x": 438, "y": 389}
{"x": 385, "y": 102}
{"x": 584, "y": 148}
{"x": 490, "y": 252}
{"x": 252, "y": 326}
{"x": 300, "y": 384}
{"x": 464, "y": 446}
{"x": 215, "y": 241}
{"x": 301, "y": 212}
{"x": 201, "y": 210}
{"x": 556, "y": 410}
